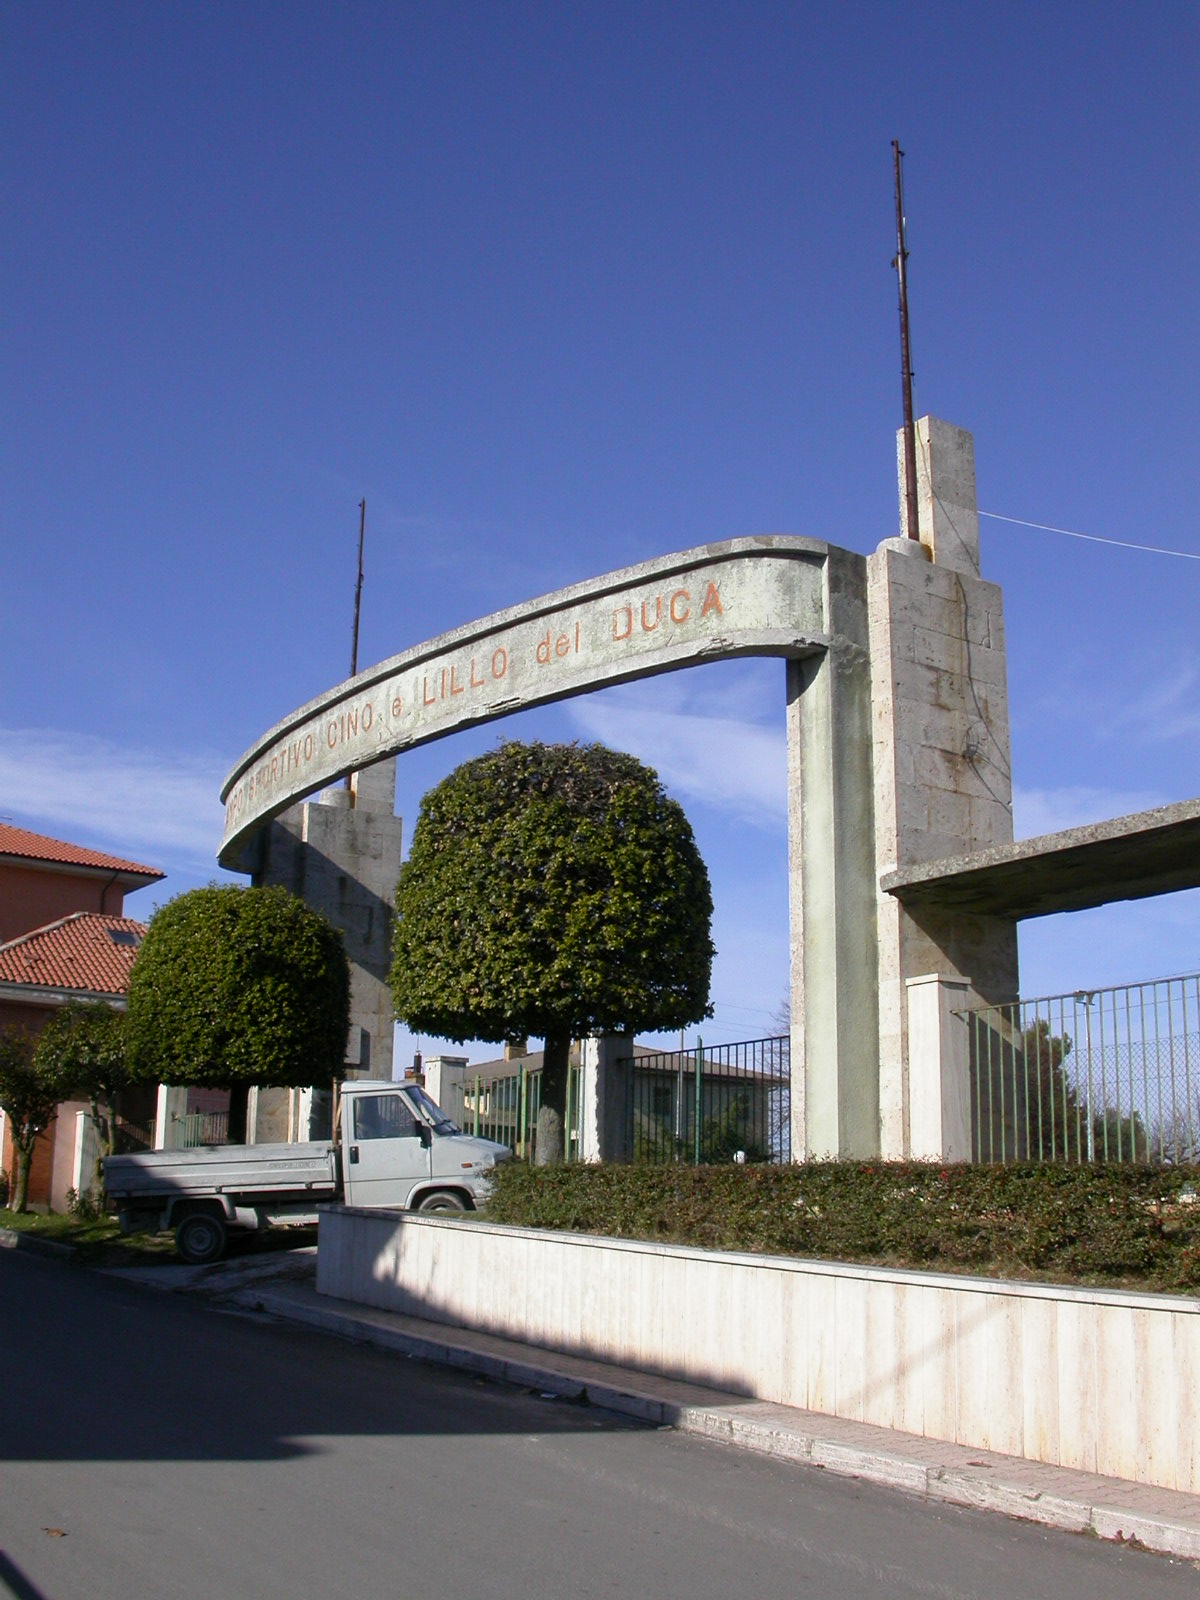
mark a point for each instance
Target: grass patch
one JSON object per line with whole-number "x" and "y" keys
{"x": 99, "y": 1242}
{"x": 1115, "y": 1226}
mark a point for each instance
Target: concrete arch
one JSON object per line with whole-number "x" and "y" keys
{"x": 895, "y": 684}
{"x": 745, "y": 597}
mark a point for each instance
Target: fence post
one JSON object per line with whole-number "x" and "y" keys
{"x": 567, "y": 1119}
{"x": 939, "y": 1090}
{"x": 699, "y": 1082}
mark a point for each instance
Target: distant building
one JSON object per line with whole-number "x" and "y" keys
{"x": 64, "y": 936}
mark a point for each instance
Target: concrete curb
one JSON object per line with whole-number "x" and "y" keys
{"x": 1002, "y": 1484}
{"x": 15, "y": 1239}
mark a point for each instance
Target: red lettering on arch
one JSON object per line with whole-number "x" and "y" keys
{"x": 712, "y": 602}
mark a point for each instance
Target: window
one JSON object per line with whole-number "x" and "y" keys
{"x": 383, "y": 1116}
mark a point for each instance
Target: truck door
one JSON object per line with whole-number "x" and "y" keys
{"x": 386, "y": 1154}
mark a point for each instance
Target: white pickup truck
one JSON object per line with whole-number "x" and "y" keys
{"x": 397, "y": 1149}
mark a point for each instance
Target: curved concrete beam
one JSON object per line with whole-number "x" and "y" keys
{"x": 764, "y": 596}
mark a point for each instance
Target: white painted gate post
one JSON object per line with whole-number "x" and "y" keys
{"x": 938, "y": 1068}
{"x": 831, "y": 870}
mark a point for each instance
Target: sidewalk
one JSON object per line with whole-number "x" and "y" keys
{"x": 1057, "y": 1497}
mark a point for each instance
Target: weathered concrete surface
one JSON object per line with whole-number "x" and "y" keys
{"x": 1092, "y": 1380}
{"x": 604, "y": 1127}
{"x": 898, "y": 755}
{"x": 342, "y": 859}
{"x": 1124, "y": 858}
{"x": 941, "y": 759}
{"x": 835, "y": 1078}
{"x": 1163, "y": 1520}
{"x": 939, "y": 1069}
{"x": 745, "y": 597}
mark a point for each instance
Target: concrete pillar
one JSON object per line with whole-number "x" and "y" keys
{"x": 341, "y": 854}
{"x": 835, "y": 1080}
{"x": 605, "y": 1132}
{"x": 444, "y": 1079}
{"x": 942, "y": 774}
{"x": 939, "y": 1068}
{"x": 172, "y": 1103}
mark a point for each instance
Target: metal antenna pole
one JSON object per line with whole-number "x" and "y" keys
{"x": 910, "y": 432}
{"x": 362, "y": 528}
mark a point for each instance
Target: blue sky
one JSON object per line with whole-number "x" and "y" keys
{"x": 559, "y": 288}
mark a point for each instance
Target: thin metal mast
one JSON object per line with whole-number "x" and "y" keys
{"x": 362, "y": 528}
{"x": 910, "y": 432}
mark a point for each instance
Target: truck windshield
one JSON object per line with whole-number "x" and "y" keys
{"x": 430, "y": 1109}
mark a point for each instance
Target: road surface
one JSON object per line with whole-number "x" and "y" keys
{"x": 156, "y": 1446}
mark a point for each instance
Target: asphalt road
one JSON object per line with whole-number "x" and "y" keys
{"x": 155, "y": 1446}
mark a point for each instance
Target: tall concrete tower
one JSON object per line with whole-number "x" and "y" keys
{"x": 340, "y": 853}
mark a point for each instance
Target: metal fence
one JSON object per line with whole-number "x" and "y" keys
{"x": 506, "y": 1109}
{"x": 1105, "y": 1075}
{"x": 714, "y": 1103}
{"x": 196, "y": 1129}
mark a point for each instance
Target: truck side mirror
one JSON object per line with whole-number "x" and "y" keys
{"x": 425, "y": 1134}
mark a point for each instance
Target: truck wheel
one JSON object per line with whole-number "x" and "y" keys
{"x": 201, "y": 1238}
{"x": 442, "y": 1200}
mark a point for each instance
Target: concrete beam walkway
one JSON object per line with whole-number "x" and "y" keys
{"x": 1079, "y": 1502}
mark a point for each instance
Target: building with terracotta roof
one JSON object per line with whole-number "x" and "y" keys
{"x": 43, "y": 879}
{"x": 63, "y": 936}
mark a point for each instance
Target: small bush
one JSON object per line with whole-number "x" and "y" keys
{"x": 3, "y": 1187}
{"x": 1094, "y": 1224}
{"x": 83, "y": 1207}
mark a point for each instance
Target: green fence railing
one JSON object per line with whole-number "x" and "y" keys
{"x": 506, "y": 1109}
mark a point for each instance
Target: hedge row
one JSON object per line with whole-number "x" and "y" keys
{"x": 1086, "y": 1224}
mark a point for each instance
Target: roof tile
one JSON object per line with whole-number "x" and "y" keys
{"x": 85, "y": 952}
{"x": 39, "y": 847}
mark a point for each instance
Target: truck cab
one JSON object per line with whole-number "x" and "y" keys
{"x": 399, "y": 1148}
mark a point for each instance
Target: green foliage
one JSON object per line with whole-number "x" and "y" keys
{"x": 551, "y": 890}
{"x": 1057, "y": 1123}
{"x": 83, "y": 1207}
{"x": 29, "y": 1095}
{"x": 1100, "y": 1223}
{"x": 83, "y": 1047}
{"x": 1059, "y": 1127}
{"x": 239, "y": 986}
{"x": 730, "y": 1130}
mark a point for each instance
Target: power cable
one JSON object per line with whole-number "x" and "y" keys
{"x": 1095, "y": 538}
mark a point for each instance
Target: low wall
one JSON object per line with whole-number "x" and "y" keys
{"x": 1104, "y": 1382}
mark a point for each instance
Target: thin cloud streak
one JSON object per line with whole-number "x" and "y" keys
{"x": 158, "y": 806}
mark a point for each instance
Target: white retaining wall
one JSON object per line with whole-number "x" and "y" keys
{"x": 1101, "y": 1381}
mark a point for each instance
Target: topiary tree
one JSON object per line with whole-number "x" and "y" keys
{"x": 83, "y": 1047}
{"x": 554, "y": 891}
{"x": 237, "y": 986}
{"x": 29, "y": 1095}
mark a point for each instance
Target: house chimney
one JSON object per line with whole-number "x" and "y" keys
{"x": 514, "y": 1049}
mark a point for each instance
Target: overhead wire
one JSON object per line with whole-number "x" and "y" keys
{"x": 1095, "y": 538}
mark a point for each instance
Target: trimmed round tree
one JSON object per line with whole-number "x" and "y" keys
{"x": 555, "y": 891}
{"x": 29, "y": 1097}
{"x": 83, "y": 1047}
{"x": 238, "y": 986}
